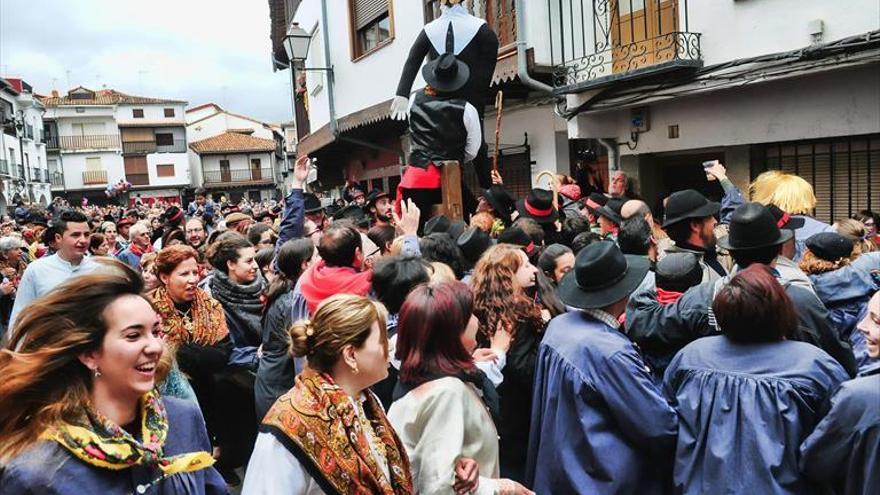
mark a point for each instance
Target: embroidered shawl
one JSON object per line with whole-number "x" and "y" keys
{"x": 317, "y": 422}
{"x": 205, "y": 325}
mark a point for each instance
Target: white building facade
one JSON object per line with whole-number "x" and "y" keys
{"x": 97, "y": 138}
{"x": 23, "y": 173}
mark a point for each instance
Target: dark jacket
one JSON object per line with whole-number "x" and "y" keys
{"x": 48, "y": 468}
{"x": 437, "y": 129}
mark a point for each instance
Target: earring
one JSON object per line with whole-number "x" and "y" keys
{"x": 354, "y": 369}
{"x": 97, "y": 372}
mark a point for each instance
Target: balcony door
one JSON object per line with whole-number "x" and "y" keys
{"x": 256, "y": 173}
{"x": 643, "y": 33}
{"x": 225, "y": 172}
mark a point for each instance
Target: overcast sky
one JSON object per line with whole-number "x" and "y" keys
{"x": 195, "y": 50}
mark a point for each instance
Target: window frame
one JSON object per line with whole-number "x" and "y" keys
{"x": 165, "y": 166}
{"x": 135, "y": 111}
{"x": 357, "y": 51}
{"x": 166, "y": 111}
{"x": 158, "y": 143}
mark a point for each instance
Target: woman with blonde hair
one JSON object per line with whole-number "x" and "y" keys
{"x": 79, "y": 413}
{"x": 329, "y": 433}
{"x": 858, "y": 233}
{"x": 502, "y": 305}
{"x": 794, "y": 196}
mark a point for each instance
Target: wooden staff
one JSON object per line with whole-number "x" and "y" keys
{"x": 553, "y": 186}
{"x": 499, "y": 106}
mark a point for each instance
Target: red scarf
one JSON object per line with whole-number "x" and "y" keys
{"x": 321, "y": 281}
{"x": 665, "y": 297}
{"x": 137, "y": 251}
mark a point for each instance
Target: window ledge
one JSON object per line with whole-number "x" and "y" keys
{"x": 373, "y": 50}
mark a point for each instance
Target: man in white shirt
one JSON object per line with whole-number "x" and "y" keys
{"x": 72, "y": 236}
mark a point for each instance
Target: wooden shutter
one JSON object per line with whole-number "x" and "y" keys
{"x": 367, "y": 11}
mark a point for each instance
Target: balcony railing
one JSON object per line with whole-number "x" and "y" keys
{"x": 262, "y": 176}
{"x": 94, "y": 177}
{"x": 138, "y": 147}
{"x": 4, "y": 167}
{"x": 92, "y": 142}
{"x": 57, "y": 179}
{"x": 138, "y": 179}
{"x": 610, "y": 40}
{"x": 36, "y": 175}
{"x": 178, "y": 146}
{"x": 51, "y": 142}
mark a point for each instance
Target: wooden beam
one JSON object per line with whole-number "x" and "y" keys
{"x": 450, "y": 183}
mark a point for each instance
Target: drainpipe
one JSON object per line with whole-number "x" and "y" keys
{"x": 611, "y": 147}
{"x": 522, "y": 62}
{"x": 331, "y": 92}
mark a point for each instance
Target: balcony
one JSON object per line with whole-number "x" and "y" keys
{"x": 57, "y": 179}
{"x": 93, "y": 142}
{"x": 4, "y": 167}
{"x": 238, "y": 177}
{"x": 36, "y": 175}
{"x": 20, "y": 169}
{"x": 618, "y": 40}
{"x": 138, "y": 179}
{"x": 51, "y": 142}
{"x": 138, "y": 147}
{"x": 94, "y": 177}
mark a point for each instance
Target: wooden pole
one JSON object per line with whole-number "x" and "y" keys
{"x": 499, "y": 106}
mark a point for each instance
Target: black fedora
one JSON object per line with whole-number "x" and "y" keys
{"x": 594, "y": 201}
{"x": 374, "y": 196}
{"x": 456, "y": 228}
{"x": 311, "y": 203}
{"x": 752, "y": 226}
{"x": 352, "y": 212}
{"x": 473, "y": 242}
{"x": 518, "y": 237}
{"x": 602, "y": 275}
{"x": 784, "y": 220}
{"x": 500, "y": 199}
{"x": 439, "y": 223}
{"x": 446, "y": 73}
{"x": 539, "y": 206}
{"x": 611, "y": 210}
{"x": 687, "y": 204}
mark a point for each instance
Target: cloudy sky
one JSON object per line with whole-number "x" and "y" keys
{"x": 195, "y": 50}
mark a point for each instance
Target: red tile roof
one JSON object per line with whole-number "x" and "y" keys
{"x": 232, "y": 142}
{"x": 104, "y": 97}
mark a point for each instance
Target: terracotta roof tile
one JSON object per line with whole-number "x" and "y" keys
{"x": 232, "y": 142}
{"x": 105, "y": 97}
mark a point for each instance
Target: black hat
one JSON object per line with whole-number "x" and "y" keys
{"x": 752, "y": 226}
{"x": 38, "y": 219}
{"x": 446, "y": 73}
{"x": 611, "y": 210}
{"x": 473, "y": 243}
{"x": 351, "y": 212}
{"x": 172, "y": 215}
{"x": 440, "y": 223}
{"x": 265, "y": 214}
{"x": 332, "y": 210}
{"x": 456, "y": 228}
{"x": 595, "y": 201}
{"x": 539, "y": 206}
{"x": 678, "y": 272}
{"x": 830, "y": 246}
{"x": 602, "y": 275}
{"x": 374, "y": 196}
{"x": 683, "y": 205}
{"x": 311, "y": 203}
{"x": 500, "y": 199}
{"x": 784, "y": 220}
{"x": 518, "y": 237}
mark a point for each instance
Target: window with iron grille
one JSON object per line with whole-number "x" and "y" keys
{"x": 169, "y": 112}
{"x": 371, "y": 25}
{"x": 844, "y": 172}
{"x": 137, "y": 113}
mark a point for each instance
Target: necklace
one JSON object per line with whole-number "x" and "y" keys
{"x": 187, "y": 320}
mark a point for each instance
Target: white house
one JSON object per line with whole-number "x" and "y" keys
{"x": 23, "y": 175}
{"x": 97, "y": 138}
{"x": 234, "y": 155}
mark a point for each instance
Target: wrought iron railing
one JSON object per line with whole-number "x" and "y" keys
{"x": 595, "y": 42}
{"x": 57, "y": 179}
{"x": 92, "y": 142}
{"x": 52, "y": 142}
{"x": 138, "y": 147}
{"x": 94, "y": 177}
{"x": 262, "y": 175}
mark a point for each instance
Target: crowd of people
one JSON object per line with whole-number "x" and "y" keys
{"x": 570, "y": 341}
{"x": 549, "y": 345}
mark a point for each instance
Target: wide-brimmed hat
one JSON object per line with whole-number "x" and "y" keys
{"x": 473, "y": 242}
{"x": 500, "y": 199}
{"x": 456, "y": 228}
{"x": 236, "y": 217}
{"x": 830, "y": 246}
{"x": 446, "y": 73}
{"x": 752, "y": 226}
{"x": 311, "y": 203}
{"x": 172, "y": 214}
{"x": 351, "y": 212}
{"x": 687, "y": 204}
{"x": 517, "y": 236}
{"x": 539, "y": 206}
{"x": 439, "y": 223}
{"x": 611, "y": 210}
{"x": 602, "y": 275}
{"x": 374, "y": 196}
{"x": 784, "y": 220}
{"x": 594, "y": 201}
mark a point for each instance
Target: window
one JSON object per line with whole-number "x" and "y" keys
{"x": 315, "y": 78}
{"x": 165, "y": 170}
{"x": 80, "y": 110}
{"x": 169, "y": 112}
{"x": 93, "y": 164}
{"x": 137, "y": 113}
{"x": 164, "y": 139}
{"x": 27, "y": 160}
{"x": 371, "y": 25}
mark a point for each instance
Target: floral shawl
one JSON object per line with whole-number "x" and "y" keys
{"x": 318, "y": 424}
{"x": 204, "y": 325}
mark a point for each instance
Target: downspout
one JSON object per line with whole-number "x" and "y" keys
{"x": 331, "y": 96}
{"x": 611, "y": 147}
{"x": 522, "y": 62}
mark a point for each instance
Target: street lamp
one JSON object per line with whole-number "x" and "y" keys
{"x": 296, "y": 43}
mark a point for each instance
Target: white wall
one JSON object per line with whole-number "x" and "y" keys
{"x": 32, "y": 114}
{"x": 211, "y": 163}
{"x": 181, "y": 169}
{"x": 543, "y": 127}
{"x": 152, "y": 113}
{"x": 193, "y": 115}
{"x": 88, "y": 111}
{"x": 839, "y": 103}
{"x": 75, "y": 163}
{"x": 222, "y": 122}
{"x": 93, "y": 125}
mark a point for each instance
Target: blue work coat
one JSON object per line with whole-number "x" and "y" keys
{"x": 744, "y": 410}
{"x": 599, "y": 424}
